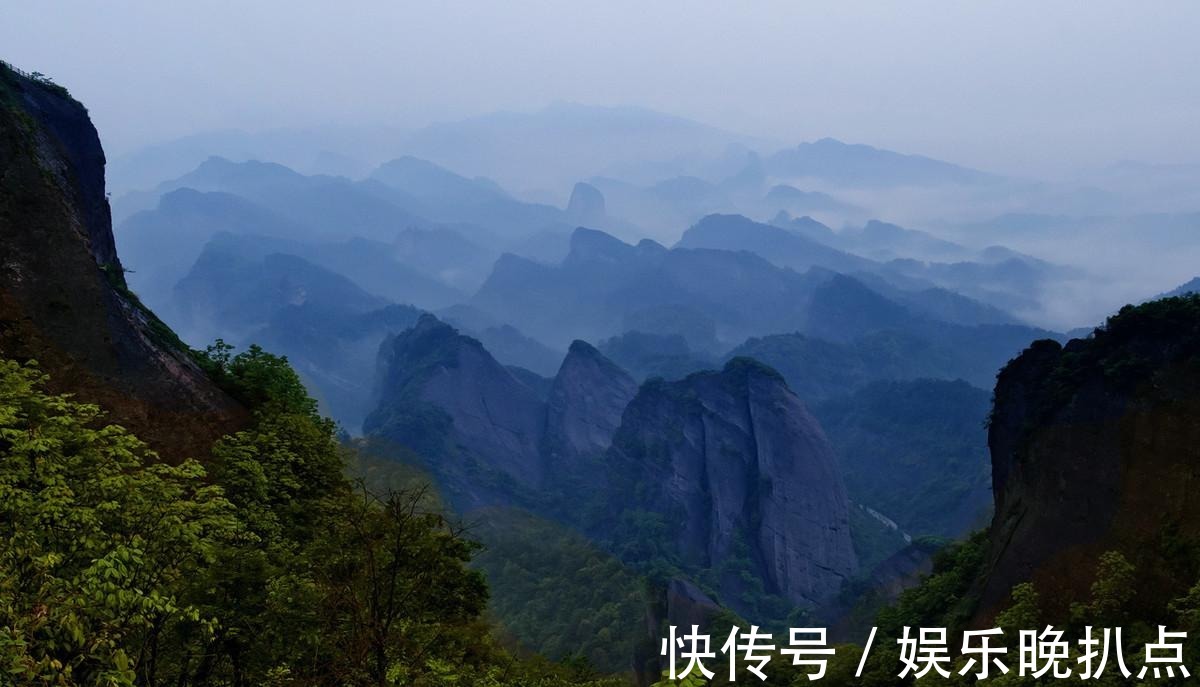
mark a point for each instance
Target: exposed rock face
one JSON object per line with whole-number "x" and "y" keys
{"x": 742, "y": 475}
{"x": 442, "y": 394}
{"x": 435, "y": 378}
{"x": 738, "y": 467}
{"x": 584, "y": 408}
{"x": 586, "y": 207}
{"x": 1096, "y": 447}
{"x": 63, "y": 298}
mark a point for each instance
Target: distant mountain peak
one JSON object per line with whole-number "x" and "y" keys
{"x": 428, "y": 323}
{"x": 431, "y": 335}
{"x": 430, "y": 181}
{"x": 798, "y": 250}
{"x": 1190, "y": 287}
{"x": 218, "y": 165}
{"x": 858, "y": 164}
{"x": 581, "y": 351}
{"x": 581, "y": 347}
{"x": 650, "y": 246}
{"x": 593, "y": 243}
{"x": 830, "y": 141}
{"x": 586, "y": 206}
{"x": 742, "y": 367}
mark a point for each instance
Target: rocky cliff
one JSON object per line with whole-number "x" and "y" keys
{"x": 743, "y": 479}
{"x": 487, "y": 430}
{"x": 1096, "y": 447}
{"x": 63, "y": 297}
{"x": 583, "y": 411}
{"x": 445, "y": 396}
{"x": 738, "y": 475}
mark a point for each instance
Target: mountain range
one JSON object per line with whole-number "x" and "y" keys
{"x": 754, "y": 477}
{"x": 776, "y": 421}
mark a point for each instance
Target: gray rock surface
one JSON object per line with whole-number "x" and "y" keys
{"x": 63, "y": 297}
{"x": 584, "y": 407}
{"x": 732, "y": 461}
{"x": 439, "y": 383}
{"x": 740, "y": 468}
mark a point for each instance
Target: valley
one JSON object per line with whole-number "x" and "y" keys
{"x": 496, "y": 401}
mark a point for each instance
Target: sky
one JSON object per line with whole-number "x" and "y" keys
{"x": 1025, "y": 88}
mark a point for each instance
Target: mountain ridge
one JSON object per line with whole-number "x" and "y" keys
{"x": 64, "y": 301}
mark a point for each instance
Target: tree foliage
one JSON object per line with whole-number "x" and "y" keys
{"x": 96, "y": 539}
{"x": 261, "y": 565}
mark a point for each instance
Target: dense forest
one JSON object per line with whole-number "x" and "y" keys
{"x": 263, "y": 563}
{"x": 288, "y": 557}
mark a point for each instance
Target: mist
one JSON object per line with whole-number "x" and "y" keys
{"x": 980, "y": 118}
{"x": 688, "y": 312}
{"x": 1023, "y": 88}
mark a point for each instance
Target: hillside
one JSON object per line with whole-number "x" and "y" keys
{"x": 248, "y": 556}
{"x": 722, "y": 478}
{"x": 915, "y": 451}
{"x": 63, "y": 296}
{"x": 1093, "y": 448}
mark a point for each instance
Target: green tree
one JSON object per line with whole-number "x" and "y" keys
{"x": 1025, "y": 611}
{"x": 401, "y": 606}
{"x": 95, "y": 538}
{"x": 284, "y": 475}
{"x": 268, "y": 568}
{"x": 1114, "y": 587}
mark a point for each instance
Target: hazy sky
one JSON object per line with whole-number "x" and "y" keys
{"x": 1020, "y": 87}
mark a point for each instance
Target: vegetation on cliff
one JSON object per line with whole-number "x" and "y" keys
{"x": 1092, "y": 446}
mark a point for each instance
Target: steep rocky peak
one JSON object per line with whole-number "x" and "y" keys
{"x": 738, "y": 464}
{"x": 1093, "y": 447}
{"x": 427, "y": 344}
{"x": 591, "y": 245}
{"x": 582, "y": 354}
{"x": 428, "y": 326}
{"x": 444, "y": 395}
{"x": 586, "y": 205}
{"x": 68, "y": 148}
{"x": 743, "y": 369}
{"x": 583, "y": 410}
{"x": 63, "y": 296}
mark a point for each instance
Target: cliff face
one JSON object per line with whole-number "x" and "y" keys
{"x": 743, "y": 476}
{"x": 731, "y": 462}
{"x": 1096, "y": 447}
{"x": 442, "y": 394}
{"x": 583, "y": 410}
{"x": 63, "y": 298}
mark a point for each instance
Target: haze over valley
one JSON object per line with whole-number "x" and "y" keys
{"x": 778, "y": 317}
